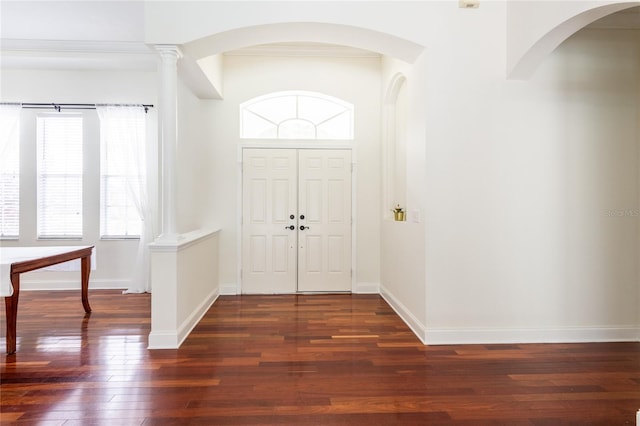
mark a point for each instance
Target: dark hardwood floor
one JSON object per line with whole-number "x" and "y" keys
{"x": 295, "y": 360}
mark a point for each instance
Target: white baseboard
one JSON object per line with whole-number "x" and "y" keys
{"x": 414, "y": 324}
{"x": 546, "y": 335}
{"x": 195, "y": 317}
{"x": 366, "y": 288}
{"x": 163, "y": 340}
{"x": 173, "y": 340}
{"x": 94, "y": 284}
{"x": 464, "y": 336}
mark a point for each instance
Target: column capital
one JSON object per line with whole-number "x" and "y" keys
{"x": 169, "y": 50}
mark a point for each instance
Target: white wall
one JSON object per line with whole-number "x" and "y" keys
{"x": 184, "y": 276}
{"x": 195, "y": 153}
{"x": 121, "y": 21}
{"x": 114, "y": 257}
{"x": 356, "y": 80}
{"x": 521, "y": 178}
{"x": 402, "y": 259}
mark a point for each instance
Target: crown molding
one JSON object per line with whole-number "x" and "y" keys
{"x": 83, "y": 55}
{"x": 78, "y": 46}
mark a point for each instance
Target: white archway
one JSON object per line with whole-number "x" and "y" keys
{"x": 199, "y": 48}
{"x": 535, "y": 29}
{"x": 345, "y": 35}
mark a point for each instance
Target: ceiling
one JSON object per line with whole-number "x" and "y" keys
{"x": 302, "y": 49}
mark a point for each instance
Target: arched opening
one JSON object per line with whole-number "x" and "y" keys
{"x": 526, "y": 51}
{"x": 395, "y": 146}
{"x": 355, "y": 79}
{"x": 343, "y": 35}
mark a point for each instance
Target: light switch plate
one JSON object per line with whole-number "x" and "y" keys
{"x": 415, "y": 216}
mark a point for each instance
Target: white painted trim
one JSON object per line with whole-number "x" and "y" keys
{"x": 187, "y": 326}
{"x": 76, "y": 46}
{"x": 73, "y": 284}
{"x": 173, "y": 340}
{"x": 183, "y": 241}
{"x": 354, "y": 219}
{"x": 239, "y": 218}
{"x": 163, "y": 340}
{"x": 464, "y": 336}
{"x": 296, "y": 144}
{"x": 414, "y": 324}
{"x": 469, "y": 336}
{"x": 366, "y": 288}
{"x": 86, "y": 55}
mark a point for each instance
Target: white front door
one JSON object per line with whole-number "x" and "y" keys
{"x": 269, "y": 199}
{"x": 296, "y": 225}
{"x": 324, "y": 205}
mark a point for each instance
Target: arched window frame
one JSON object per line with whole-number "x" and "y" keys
{"x": 343, "y": 110}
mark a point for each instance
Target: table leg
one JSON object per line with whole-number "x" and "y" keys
{"x": 11, "y": 307}
{"x": 85, "y": 266}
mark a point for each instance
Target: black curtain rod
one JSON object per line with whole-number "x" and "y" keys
{"x": 59, "y": 107}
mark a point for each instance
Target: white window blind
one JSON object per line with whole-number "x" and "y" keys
{"x": 122, "y": 131}
{"x": 9, "y": 171}
{"x": 59, "y": 181}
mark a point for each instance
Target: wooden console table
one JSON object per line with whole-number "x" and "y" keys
{"x": 25, "y": 259}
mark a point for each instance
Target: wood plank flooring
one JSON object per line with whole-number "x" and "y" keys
{"x": 295, "y": 360}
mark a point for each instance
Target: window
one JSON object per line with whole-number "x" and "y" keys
{"x": 59, "y": 176}
{"x": 9, "y": 171}
{"x": 121, "y": 171}
{"x": 296, "y": 115}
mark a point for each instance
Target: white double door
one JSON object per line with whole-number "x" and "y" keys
{"x": 296, "y": 220}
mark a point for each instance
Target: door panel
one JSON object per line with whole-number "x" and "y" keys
{"x": 269, "y": 197}
{"x": 324, "y": 248}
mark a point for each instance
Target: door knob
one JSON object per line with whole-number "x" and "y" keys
{"x": 302, "y": 227}
{"x": 290, "y": 227}
{"x": 292, "y": 217}
{"x": 301, "y": 217}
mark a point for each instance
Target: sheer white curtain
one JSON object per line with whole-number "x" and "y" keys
{"x": 9, "y": 116}
{"x": 123, "y": 119}
{"x": 9, "y": 166}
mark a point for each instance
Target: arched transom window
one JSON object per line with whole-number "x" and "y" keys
{"x": 296, "y": 115}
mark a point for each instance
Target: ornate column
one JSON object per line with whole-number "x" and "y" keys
{"x": 164, "y": 250}
{"x": 168, "y": 135}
